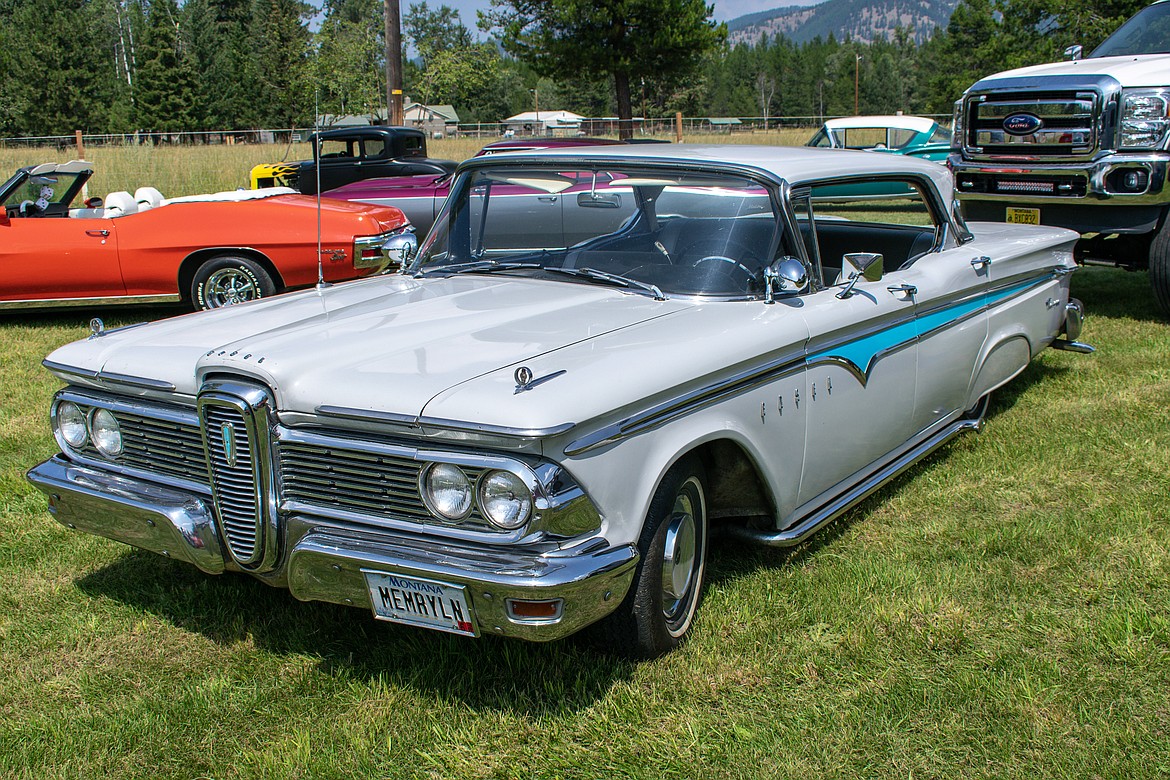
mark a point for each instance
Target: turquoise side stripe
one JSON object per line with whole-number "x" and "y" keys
{"x": 862, "y": 353}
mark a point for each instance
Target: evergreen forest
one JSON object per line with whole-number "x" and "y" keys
{"x": 118, "y": 66}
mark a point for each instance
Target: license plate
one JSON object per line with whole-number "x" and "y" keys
{"x": 1018, "y": 216}
{"x": 418, "y": 602}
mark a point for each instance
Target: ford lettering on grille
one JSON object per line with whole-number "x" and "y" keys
{"x": 1022, "y": 124}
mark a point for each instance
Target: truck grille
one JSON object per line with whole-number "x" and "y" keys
{"x": 1067, "y": 124}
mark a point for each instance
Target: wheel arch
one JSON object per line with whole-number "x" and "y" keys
{"x": 192, "y": 262}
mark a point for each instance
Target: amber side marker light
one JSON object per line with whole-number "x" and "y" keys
{"x": 523, "y": 609}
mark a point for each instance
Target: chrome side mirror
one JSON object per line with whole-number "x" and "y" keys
{"x": 861, "y": 265}
{"x": 786, "y": 275}
{"x": 399, "y": 248}
{"x": 1074, "y": 52}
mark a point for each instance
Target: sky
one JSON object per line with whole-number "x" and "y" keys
{"x": 724, "y": 9}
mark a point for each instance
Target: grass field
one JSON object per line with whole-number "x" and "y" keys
{"x": 1000, "y": 611}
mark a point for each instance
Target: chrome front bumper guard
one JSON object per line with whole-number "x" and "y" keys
{"x": 326, "y": 563}
{"x": 1094, "y": 172}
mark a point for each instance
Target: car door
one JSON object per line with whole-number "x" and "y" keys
{"x": 861, "y": 356}
{"x": 58, "y": 258}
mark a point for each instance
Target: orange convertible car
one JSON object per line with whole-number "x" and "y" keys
{"x": 207, "y": 250}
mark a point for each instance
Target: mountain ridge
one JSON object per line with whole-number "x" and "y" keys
{"x": 860, "y": 20}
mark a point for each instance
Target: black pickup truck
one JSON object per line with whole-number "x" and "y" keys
{"x": 351, "y": 154}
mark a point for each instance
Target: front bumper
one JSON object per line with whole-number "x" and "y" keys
{"x": 1078, "y": 190}
{"x": 325, "y": 562}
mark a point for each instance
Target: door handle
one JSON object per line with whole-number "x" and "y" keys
{"x": 980, "y": 262}
{"x": 547, "y": 198}
{"x": 903, "y": 289}
{"x": 97, "y": 233}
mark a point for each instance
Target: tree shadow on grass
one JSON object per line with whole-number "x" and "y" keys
{"x": 1116, "y": 293}
{"x": 79, "y": 317}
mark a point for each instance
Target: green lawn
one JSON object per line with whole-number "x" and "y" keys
{"x": 1002, "y": 610}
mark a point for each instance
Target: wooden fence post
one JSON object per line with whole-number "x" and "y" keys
{"x": 678, "y": 127}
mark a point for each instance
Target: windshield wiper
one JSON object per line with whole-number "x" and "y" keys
{"x": 474, "y": 266}
{"x": 602, "y": 276}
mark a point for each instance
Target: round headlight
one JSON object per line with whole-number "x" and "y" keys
{"x": 505, "y": 500}
{"x": 71, "y": 424}
{"x": 107, "y": 436}
{"x": 447, "y": 492}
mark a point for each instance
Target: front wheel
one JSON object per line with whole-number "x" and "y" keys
{"x": 225, "y": 280}
{"x": 1160, "y": 266}
{"x": 657, "y": 612}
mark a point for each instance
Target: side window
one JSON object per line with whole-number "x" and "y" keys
{"x": 374, "y": 149}
{"x": 332, "y": 149}
{"x": 889, "y": 217}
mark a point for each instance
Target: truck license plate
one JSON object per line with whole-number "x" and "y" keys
{"x": 1018, "y": 216}
{"x": 418, "y": 602}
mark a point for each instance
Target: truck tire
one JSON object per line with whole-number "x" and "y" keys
{"x": 1160, "y": 266}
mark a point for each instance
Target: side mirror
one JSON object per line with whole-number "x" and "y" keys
{"x": 399, "y": 248}
{"x": 861, "y": 265}
{"x": 1074, "y": 52}
{"x": 786, "y": 275}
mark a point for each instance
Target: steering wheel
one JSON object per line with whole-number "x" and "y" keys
{"x": 730, "y": 258}
{"x": 29, "y": 208}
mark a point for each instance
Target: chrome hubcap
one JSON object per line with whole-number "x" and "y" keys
{"x": 680, "y": 555}
{"x": 228, "y": 286}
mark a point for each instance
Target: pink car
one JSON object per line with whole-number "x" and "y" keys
{"x": 421, "y": 197}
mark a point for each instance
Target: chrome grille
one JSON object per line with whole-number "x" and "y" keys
{"x": 164, "y": 447}
{"x": 357, "y": 483}
{"x": 1069, "y": 124}
{"x": 233, "y": 479}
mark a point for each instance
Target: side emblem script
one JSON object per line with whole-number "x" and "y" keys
{"x": 1022, "y": 124}
{"x": 228, "y": 432}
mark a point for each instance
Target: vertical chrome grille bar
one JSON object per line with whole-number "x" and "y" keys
{"x": 234, "y": 419}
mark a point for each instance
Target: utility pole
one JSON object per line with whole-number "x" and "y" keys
{"x": 393, "y": 16}
{"x": 856, "y": 84}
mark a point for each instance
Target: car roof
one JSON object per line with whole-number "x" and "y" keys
{"x": 919, "y": 124}
{"x": 795, "y": 164}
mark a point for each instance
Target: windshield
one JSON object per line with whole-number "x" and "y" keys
{"x": 650, "y": 230}
{"x": 1147, "y": 32}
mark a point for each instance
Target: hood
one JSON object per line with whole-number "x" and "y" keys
{"x": 389, "y": 343}
{"x": 1146, "y": 70}
{"x": 389, "y": 187}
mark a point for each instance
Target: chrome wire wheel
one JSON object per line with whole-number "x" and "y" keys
{"x": 683, "y": 557}
{"x": 229, "y": 286}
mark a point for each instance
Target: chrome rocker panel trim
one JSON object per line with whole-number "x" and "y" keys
{"x": 119, "y": 300}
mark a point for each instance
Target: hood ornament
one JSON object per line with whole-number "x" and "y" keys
{"x": 525, "y": 381}
{"x": 96, "y": 327}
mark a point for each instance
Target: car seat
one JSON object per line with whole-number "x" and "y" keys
{"x": 119, "y": 204}
{"x": 147, "y": 198}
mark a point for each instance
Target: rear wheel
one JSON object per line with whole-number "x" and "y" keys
{"x": 657, "y": 612}
{"x": 1160, "y": 266}
{"x": 227, "y": 279}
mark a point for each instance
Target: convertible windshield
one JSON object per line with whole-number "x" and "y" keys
{"x": 1147, "y": 32}
{"x": 648, "y": 231}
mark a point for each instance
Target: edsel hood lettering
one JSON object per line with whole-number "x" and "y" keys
{"x": 598, "y": 357}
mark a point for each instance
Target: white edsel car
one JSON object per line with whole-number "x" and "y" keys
{"x": 597, "y": 359}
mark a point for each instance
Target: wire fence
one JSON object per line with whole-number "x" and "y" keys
{"x": 533, "y": 127}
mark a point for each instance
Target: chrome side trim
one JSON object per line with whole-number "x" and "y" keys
{"x": 35, "y": 303}
{"x": 689, "y": 402}
{"x": 136, "y": 381}
{"x": 66, "y": 370}
{"x": 820, "y": 515}
{"x": 416, "y": 422}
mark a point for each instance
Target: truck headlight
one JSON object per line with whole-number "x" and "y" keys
{"x": 105, "y": 432}
{"x": 447, "y": 492}
{"x": 957, "y": 126}
{"x": 505, "y": 500}
{"x": 1145, "y": 118}
{"x": 71, "y": 424}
